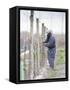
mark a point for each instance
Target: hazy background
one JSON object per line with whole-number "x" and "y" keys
{"x": 54, "y": 21}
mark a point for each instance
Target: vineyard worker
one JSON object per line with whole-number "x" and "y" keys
{"x": 50, "y": 43}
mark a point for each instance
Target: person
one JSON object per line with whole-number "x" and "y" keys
{"x": 50, "y": 43}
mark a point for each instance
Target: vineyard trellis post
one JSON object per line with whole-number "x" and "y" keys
{"x": 38, "y": 45}
{"x": 43, "y": 48}
{"x": 31, "y": 39}
{"x": 45, "y": 36}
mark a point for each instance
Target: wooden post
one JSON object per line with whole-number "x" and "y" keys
{"x": 35, "y": 60}
{"x": 43, "y": 54}
{"x": 38, "y": 46}
{"x": 29, "y": 70}
{"x": 24, "y": 61}
{"x": 22, "y": 66}
{"x": 31, "y": 50}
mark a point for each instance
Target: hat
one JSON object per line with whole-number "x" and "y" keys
{"x": 49, "y": 31}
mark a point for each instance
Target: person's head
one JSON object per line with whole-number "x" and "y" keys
{"x": 49, "y": 33}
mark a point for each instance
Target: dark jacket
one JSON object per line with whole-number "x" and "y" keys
{"x": 51, "y": 45}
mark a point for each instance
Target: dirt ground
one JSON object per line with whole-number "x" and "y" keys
{"x": 47, "y": 73}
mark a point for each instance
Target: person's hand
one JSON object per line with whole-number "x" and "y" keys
{"x": 44, "y": 44}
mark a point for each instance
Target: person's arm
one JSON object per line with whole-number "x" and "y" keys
{"x": 51, "y": 43}
{"x": 45, "y": 41}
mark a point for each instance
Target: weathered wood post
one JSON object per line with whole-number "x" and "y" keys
{"x": 31, "y": 50}
{"x": 38, "y": 46}
{"x": 43, "y": 54}
{"x": 45, "y": 49}
{"x": 24, "y": 60}
{"x": 22, "y": 66}
{"x": 29, "y": 66}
